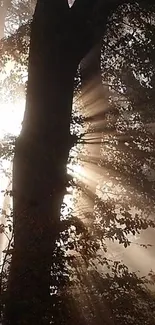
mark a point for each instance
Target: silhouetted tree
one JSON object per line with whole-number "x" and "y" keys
{"x": 60, "y": 38}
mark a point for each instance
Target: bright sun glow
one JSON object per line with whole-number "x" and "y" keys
{"x": 11, "y": 117}
{"x": 76, "y": 170}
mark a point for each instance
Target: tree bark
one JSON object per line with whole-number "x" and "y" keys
{"x": 39, "y": 172}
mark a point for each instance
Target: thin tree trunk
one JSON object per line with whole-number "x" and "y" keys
{"x": 4, "y": 5}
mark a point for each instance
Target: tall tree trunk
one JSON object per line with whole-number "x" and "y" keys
{"x": 41, "y": 153}
{"x": 39, "y": 173}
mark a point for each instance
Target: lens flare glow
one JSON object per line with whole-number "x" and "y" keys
{"x": 10, "y": 118}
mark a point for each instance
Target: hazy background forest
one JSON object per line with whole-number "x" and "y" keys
{"x": 103, "y": 268}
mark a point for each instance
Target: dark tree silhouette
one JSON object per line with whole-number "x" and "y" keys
{"x": 60, "y": 38}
